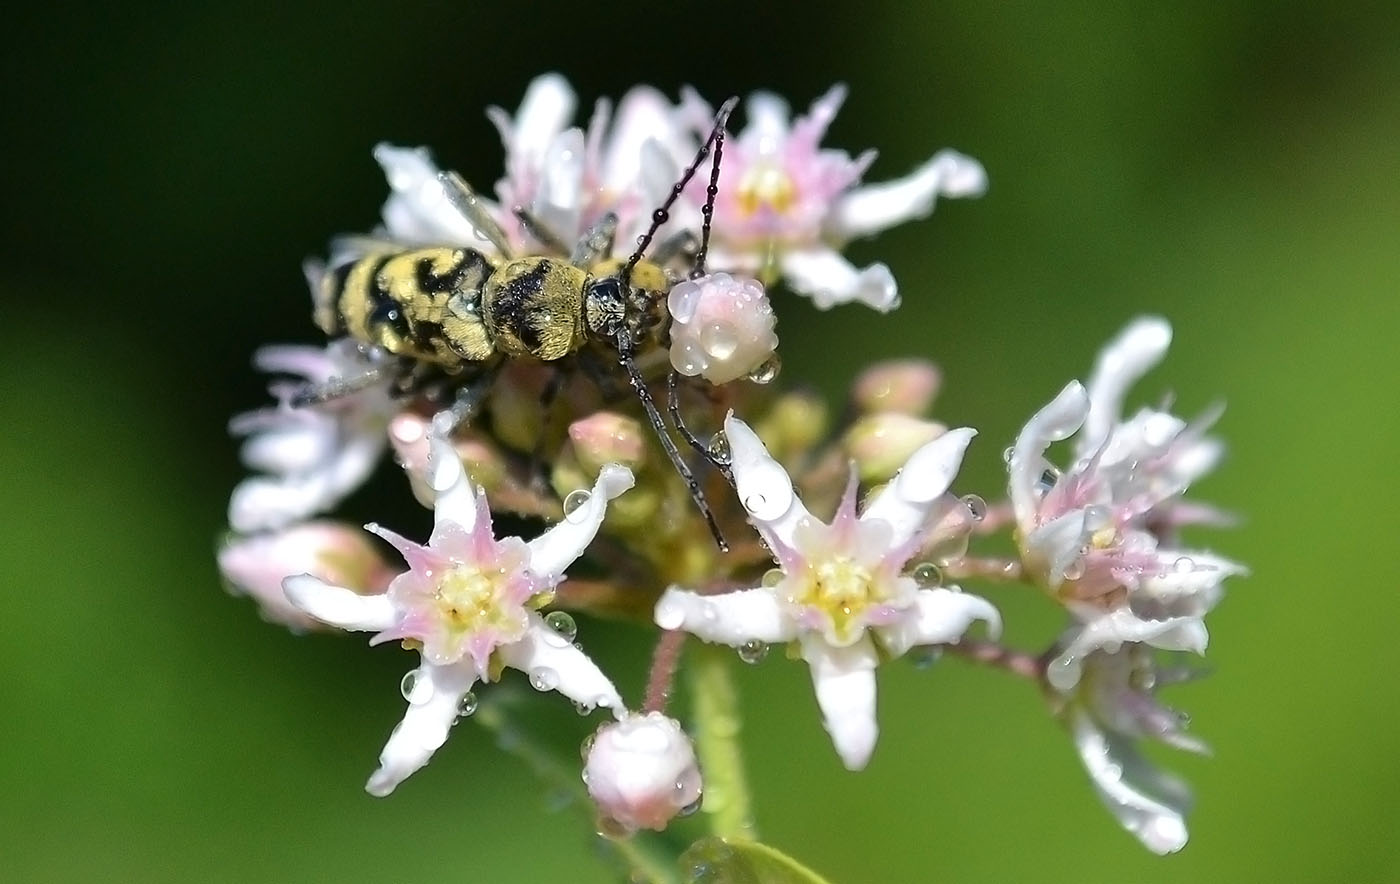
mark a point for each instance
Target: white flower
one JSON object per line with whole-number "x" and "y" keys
{"x": 417, "y": 210}
{"x": 721, "y": 327}
{"x": 787, "y": 204}
{"x": 468, "y": 602}
{"x": 312, "y": 456}
{"x": 641, "y": 771}
{"x": 842, "y": 596}
{"x": 1108, "y": 713}
{"x": 1090, "y": 534}
{"x": 568, "y": 177}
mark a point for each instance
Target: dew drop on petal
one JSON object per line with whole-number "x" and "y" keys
{"x": 544, "y": 679}
{"x": 767, "y": 370}
{"x": 924, "y": 656}
{"x": 466, "y": 707}
{"x": 1184, "y": 565}
{"x": 718, "y": 448}
{"x": 927, "y": 575}
{"x": 1048, "y": 477}
{"x": 562, "y": 624}
{"x": 587, "y": 746}
{"x": 1075, "y": 569}
{"x": 414, "y": 688}
{"x": 976, "y": 506}
{"x": 687, "y": 809}
{"x": 719, "y": 340}
{"x": 753, "y": 651}
{"x": 772, "y": 577}
{"x": 574, "y": 504}
{"x": 1007, "y": 453}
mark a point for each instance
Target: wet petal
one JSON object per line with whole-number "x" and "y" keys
{"x": 730, "y": 618}
{"x": 546, "y": 109}
{"x": 1121, "y": 363}
{"x": 844, "y": 679}
{"x": 1110, "y": 630}
{"x": 868, "y": 210}
{"x": 1125, "y": 783}
{"x": 764, "y": 487}
{"x": 556, "y": 549}
{"x": 1054, "y": 422}
{"x": 455, "y": 500}
{"x": 339, "y": 606}
{"x": 417, "y": 211}
{"x": 939, "y": 616}
{"x": 433, "y": 707}
{"x": 829, "y": 279}
{"x": 906, "y": 501}
{"x": 553, "y": 663}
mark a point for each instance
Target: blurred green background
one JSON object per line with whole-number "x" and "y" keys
{"x": 167, "y": 167}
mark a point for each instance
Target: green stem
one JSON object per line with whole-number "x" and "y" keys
{"x": 718, "y": 723}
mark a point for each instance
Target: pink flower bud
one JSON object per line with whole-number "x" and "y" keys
{"x": 881, "y": 443}
{"x": 641, "y": 771}
{"x": 607, "y": 437}
{"x": 907, "y": 386}
{"x": 721, "y": 327}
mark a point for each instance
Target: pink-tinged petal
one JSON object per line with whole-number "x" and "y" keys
{"x": 434, "y": 705}
{"x": 766, "y": 125}
{"x": 873, "y": 208}
{"x": 1125, "y": 784}
{"x": 339, "y": 606}
{"x": 643, "y": 115}
{"x": 907, "y": 500}
{"x": 420, "y": 559}
{"x": 844, "y": 679}
{"x": 1054, "y": 422}
{"x": 417, "y": 210}
{"x": 641, "y": 771}
{"x": 1114, "y": 628}
{"x": 546, "y": 109}
{"x": 829, "y": 279}
{"x": 764, "y": 487}
{"x": 311, "y": 363}
{"x": 731, "y": 618}
{"x": 808, "y": 131}
{"x": 1184, "y": 575}
{"x": 559, "y": 203}
{"x": 1125, "y": 359}
{"x": 553, "y": 663}
{"x": 1055, "y": 547}
{"x": 939, "y": 616}
{"x": 556, "y": 549}
{"x": 455, "y": 501}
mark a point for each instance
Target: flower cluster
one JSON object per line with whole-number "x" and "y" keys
{"x": 488, "y": 342}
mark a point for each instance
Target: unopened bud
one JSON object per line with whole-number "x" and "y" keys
{"x": 906, "y": 386}
{"x": 792, "y": 424}
{"x": 336, "y": 552}
{"x": 607, "y": 437}
{"x": 721, "y": 327}
{"x": 641, "y": 772}
{"x": 881, "y": 443}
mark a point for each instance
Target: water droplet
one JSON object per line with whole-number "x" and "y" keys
{"x": 544, "y": 679}
{"x": 753, "y": 651}
{"x": 772, "y": 577}
{"x": 587, "y": 745}
{"x": 718, "y": 448}
{"x": 466, "y": 707}
{"x": 976, "y": 506}
{"x": 562, "y": 624}
{"x": 1063, "y": 672}
{"x": 414, "y": 688}
{"x": 1075, "y": 569}
{"x": 582, "y": 708}
{"x": 927, "y": 575}
{"x": 1048, "y": 477}
{"x": 719, "y": 340}
{"x": 755, "y": 502}
{"x": 691, "y": 808}
{"x": 924, "y": 656}
{"x": 1007, "y": 453}
{"x": 574, "y": 503}
{"x": 1184, "y": 565}
{"x": 767, "y": 370}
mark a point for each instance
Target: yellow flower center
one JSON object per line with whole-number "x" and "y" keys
{"x": 840, "y": 587}
{"x": 766, "y": 186}
{"x": 469, "y": 598}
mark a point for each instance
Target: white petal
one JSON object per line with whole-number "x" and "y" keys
{"x": 432, "y": 709}
{"x": 939, "y": 616}
{"x": 417, "y": 210}
{"x": 454, "y": 499}
{"x": 906, "y": 500}
{"x": 730, "y": 618}
{"x": 556, "y": 549}
{"x": 1109, "y": 631}
{"x": 288, "y": 444}
{"x": 553, "y": 663}
{"x": 766, "y": 122}
{"x": 844, "y": 679}
{"x": 546, "y": 109}
{"x": 644, "y": 116}
{"x": 829, "y": 279}
{"x": 559, "y": 204}
{"x": 339, "y": 606}
{"x": 1118, "y": 772}
{"x": 1125, "y": 359}
{"x": 868, "y": 210}
{"x": 1188, "y": 577}
{"x": 1054, "y": 422}
{"x": 1055, "y": 546}
{"x": 764, "y": 487}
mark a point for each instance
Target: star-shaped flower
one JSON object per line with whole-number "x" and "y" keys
{"x": 468, "y": 603}
{"x": 1092, "y": 535}
{"x": 842, "y": 596}
{"x": 787, "y": 204}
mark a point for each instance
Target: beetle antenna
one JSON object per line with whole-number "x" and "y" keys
{"x": 663, "y": 213}
{"x": 712, "y": 191}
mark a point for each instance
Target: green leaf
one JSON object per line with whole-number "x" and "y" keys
{"x": 720, "y": 861}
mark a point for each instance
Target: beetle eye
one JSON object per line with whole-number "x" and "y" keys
{"x": 607, "y": 289}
